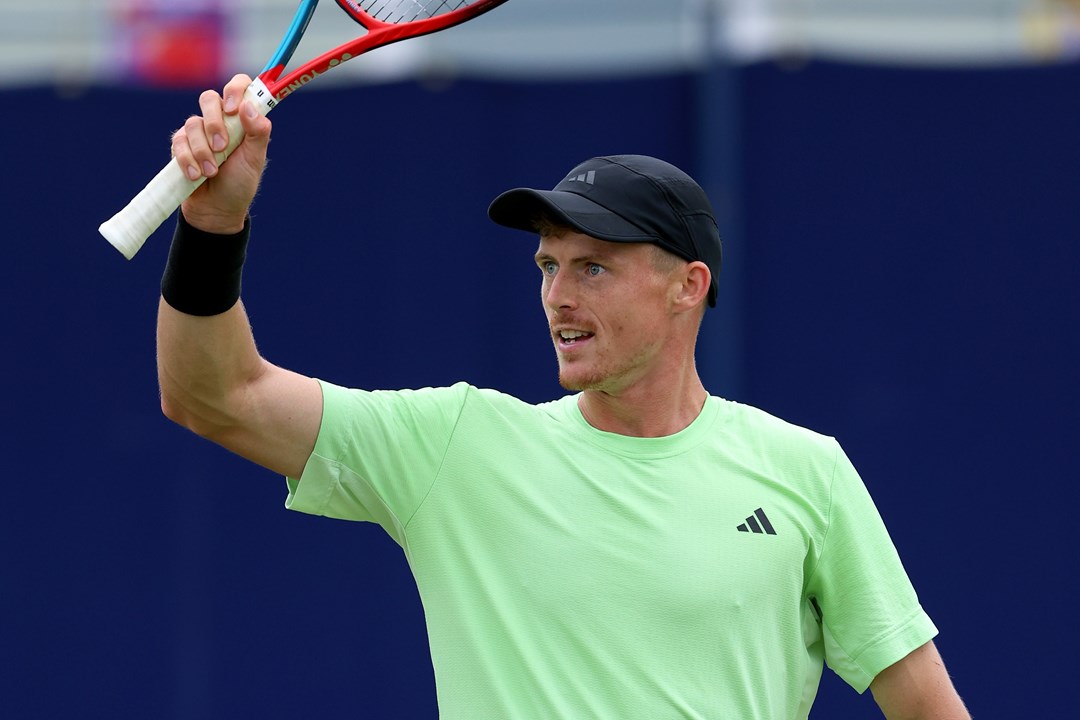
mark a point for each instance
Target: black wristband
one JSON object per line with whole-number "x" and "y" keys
{"x": 202, "y": 276}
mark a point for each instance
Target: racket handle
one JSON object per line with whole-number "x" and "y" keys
{"x": 128, "y": 229}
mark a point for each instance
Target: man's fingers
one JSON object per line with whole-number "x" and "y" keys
{"x": 181, "y": 150}
{"x": 256, "y": 125}
{"x": 234, "y": 92}
{"x": 199, "y": 155}
{"x": 213, "y": 120}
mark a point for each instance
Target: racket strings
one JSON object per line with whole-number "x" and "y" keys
{"x": 404, "y": 11}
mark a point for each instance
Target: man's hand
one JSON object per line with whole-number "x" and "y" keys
{"x": 221, "y": 204}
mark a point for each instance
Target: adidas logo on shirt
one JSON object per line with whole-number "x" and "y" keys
{"x": 757, "y": 523}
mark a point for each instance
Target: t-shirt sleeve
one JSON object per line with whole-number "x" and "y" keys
{"x": 870, "y": 613}
{"x": 377, "y": 454}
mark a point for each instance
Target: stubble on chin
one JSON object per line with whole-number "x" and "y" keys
{"x": 567, "y": 379}
{"x": 568, "y": 384}
{"x": 579, "y": 382}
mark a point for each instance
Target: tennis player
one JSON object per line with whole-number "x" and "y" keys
{"x": 635, "y": 549}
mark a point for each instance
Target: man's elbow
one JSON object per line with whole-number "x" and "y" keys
{"x": 185, "y": 415}
{"x": 174, "y": 410}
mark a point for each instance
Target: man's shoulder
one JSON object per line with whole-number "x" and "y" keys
{"x": 762, "y": 428}
{"x": 458, "y": 397}
{"x": 503, "y": 402}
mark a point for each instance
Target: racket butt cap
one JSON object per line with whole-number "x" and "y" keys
{"x": 126, "y": 243}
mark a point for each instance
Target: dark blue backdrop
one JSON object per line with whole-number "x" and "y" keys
{"x": 908, "y": 256}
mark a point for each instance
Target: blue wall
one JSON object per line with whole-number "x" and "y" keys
{"x": 909, "y": 285}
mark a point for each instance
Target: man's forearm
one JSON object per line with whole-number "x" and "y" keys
{"x": 204, "y": 364}
{"x": 918, "y": 687}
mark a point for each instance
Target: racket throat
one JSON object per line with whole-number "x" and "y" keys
{"x": 261, "y": 96}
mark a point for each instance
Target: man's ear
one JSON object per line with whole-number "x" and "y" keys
{"x": 693, "y": 290}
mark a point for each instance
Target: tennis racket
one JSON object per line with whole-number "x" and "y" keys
{"x": 385, "y": 22}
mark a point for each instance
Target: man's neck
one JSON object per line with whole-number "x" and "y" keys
{"x": 638, "y": 412}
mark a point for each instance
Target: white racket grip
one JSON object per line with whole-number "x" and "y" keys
{"x": 128, "y": 229}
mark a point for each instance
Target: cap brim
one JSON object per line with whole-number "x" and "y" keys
{"x": 520, "y": 207}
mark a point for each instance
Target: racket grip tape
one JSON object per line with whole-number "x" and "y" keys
{"x": 128, "y": 229}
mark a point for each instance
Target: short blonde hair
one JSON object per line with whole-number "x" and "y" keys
{"x": 546, "y": 226}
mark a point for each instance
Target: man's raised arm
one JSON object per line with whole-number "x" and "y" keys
{"x": 212, "y": 378}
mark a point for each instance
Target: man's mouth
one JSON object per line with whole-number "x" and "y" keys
{"x": 572, "y": 337}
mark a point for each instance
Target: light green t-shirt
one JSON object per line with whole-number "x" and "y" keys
{"x": 566, "y": 572}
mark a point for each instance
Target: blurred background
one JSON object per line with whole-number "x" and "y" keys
{"x": 895, "y": 184}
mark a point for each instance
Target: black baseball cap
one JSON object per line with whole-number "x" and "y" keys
{"x": 624, "y": 198}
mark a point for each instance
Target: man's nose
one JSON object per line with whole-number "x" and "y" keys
{"x": 559, "y": 293}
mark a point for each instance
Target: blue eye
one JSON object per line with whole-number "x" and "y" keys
{"x": 549, "y": 267}
{"x": 594, "y": 269}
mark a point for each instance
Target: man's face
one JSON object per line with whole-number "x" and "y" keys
{"x": 609, "y": 309}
